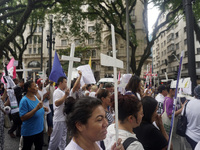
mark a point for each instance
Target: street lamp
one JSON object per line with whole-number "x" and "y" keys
{"x": 50, "y": 41}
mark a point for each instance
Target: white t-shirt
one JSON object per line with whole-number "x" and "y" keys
{"x": 193, "y": 118}
{"x": 123, "y": 134}
{"x": 45, "y": 103}
{"x": 58, "y": 111}
{"x": 73, "y": 146}
{"x": 92, "y": 94}
{"x": 197, "y": 146}
{"x": 76, "y": 94}
{"x": 160, "y": 98}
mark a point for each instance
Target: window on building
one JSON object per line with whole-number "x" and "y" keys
{"x": 90, "y": 41}
{"x": 90, "y": 29}
{"x": 33, "y": 64}
{"x": 164, "y": 52}
{"x": 185, "y": 42}
{"x": 77, "y": 41}
{"x": 40, "y": 29}
{"x": 35, "y": 39}
{"x": 30, "y": 50}
{"x": 39, "y": 50}
{"x": 170, "y": 48}
{"x": 185, "y": 29}
{"x": 185, "y": 66}
{"x": 30, "y": 40}
{"x": 63, "y": 42}
{"x": 34, "y": 50}
{"x": 110, "y": 41}
{"x": 39, "y": 39}
{"x": 177, "y": 35}
{"x": 177, "y": 46}
{"x": 93, "y": 65}
{"x": 198, "y": 51}
{"x": 178, "y": 56}
{"x": 186, "y": 54}
{"x": 88, "y": 53}
{"x": 161, "y": 45}
{"x": 170, "y": 37}
{"x": 93, "y": 53}
{"x": 164, "y": 43}
{"x": 197, "y": 64}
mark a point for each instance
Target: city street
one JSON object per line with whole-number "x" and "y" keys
{"x": 13, "y": 143}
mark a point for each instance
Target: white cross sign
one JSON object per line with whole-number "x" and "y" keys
{"x": 24, "y": 70}
{"x": 71, "y": 60}
{"x": 115, "y": 63}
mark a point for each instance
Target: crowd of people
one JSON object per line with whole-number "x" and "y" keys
{"x": 82, "y": 117}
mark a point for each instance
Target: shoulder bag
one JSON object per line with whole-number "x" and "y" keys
{"x": 182, "y": 123}
{"x": 166, "y": 121}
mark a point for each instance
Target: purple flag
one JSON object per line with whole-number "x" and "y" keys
{"x": 57, "y": 70}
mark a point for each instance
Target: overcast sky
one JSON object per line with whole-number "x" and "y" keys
{"x": 152, "y": 16}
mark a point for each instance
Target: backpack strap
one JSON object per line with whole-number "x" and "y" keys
{"x": 128, "y": 141}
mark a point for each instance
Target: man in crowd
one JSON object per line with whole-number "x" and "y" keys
{"x": 161, "y": 97}
{"x": 59, "y": 134}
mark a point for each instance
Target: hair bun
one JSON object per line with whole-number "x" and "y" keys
{"x": 69, "y": 104}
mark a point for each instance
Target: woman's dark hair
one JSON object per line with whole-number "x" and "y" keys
{"x": 61, "y": 79}
{"x": 27, "y": 85}
{"x": 133, "y": 84}
{"x": 102, "y": 93}
{"x": 73, "y": 82}
{"x": 79, "y": 110}
{"x": 88, "y": 86}
{"x": 127, "y": 105}
{"x": 168, "y": 87}
{"x": 149, "y": 106}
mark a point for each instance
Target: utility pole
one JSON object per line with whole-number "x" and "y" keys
{"x": 127, "y": 35}
{"x": 41, "y": 59}
{"x": 190, "y": 42}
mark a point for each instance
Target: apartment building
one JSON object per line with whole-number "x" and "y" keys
{"x": 167, "y": 50}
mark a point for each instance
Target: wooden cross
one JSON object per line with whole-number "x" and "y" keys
{"x": 24, "y": 70}
{"x": 115, "y": 63}
{"x": 71, "y": 60}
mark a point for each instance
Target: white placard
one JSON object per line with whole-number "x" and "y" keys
{"x": 10, "y": 82}
{"x": 87, "y": 74}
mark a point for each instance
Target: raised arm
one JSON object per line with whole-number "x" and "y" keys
{"x": 76, "y": 84}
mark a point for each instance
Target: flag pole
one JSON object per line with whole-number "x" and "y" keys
{"x": 175, "y": 101}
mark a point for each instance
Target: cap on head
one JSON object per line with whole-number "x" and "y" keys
{"x": 197, "y": 91}
{"x": 39, "y": 81}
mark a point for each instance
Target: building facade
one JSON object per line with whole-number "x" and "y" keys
{"x": 167, "y": 50}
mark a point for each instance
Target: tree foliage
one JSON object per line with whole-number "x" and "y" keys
{"x": 174, "y": 9}
{"x": 16, "y": 15}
